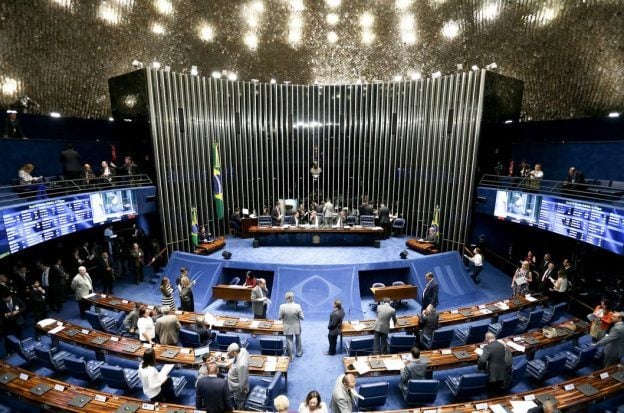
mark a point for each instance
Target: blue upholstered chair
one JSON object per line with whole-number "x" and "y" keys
{"x": 397, "y": 226}
{"x": 518, "y": 370}
{"x": 88, "y": 370}
{"x": 178, "y": 384}
{"x": 472, "y": 334}
{"x": 51, "y": 357}
{"x": 223, "y": 340}
{"x": 467, "y": 385}
{"x": 190, "y": 338}
{"x": 235, "y": 281}
{"x": 351, "y": 220}
{"x": 505, "y": 328}
{"x": 550, "y": 366}
{"x": 24, "y": 348}
{"x": 400, "y": 343}
{"x": 265, "y": 221}
{"x": 271, "y": 346}
{"x": 552, "y": 314}
{"x": 288, "y": 220}
{"x": 260, "y": 398}
{"x": 533, "y": 320}
{"x": 421, "y": 391}
{"x": 581, "y": 358}
{"x": 100, "y": 322}
{"x": 359, "y": 346}
{"x": 120, "y": 378}
{"x": 367, "y": 221}
{"x": 439, "y": 339}
{"x": 374, "y": 394}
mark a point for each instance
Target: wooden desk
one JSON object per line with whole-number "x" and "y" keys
{"x": 207, "y": 248}
{"x": 231, "y": 292}
{"x": 310, "y": 236}
{"x": 449, "y": 317}
{"x": 395, "y": 292}
{"x": 423, "y": 247}
{"x": 440, "y": 361}
{"x": 57, "y": 400}
{"x": 222, "y": 323}
{"x": 247, "y": 223}
{"x": 120, "y": 346}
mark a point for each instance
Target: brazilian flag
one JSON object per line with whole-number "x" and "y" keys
{"x": 217, "y": 189}
{"x": 435, "y": 224}
{"x": 194, "y": 227}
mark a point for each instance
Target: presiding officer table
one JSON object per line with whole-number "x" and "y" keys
{"x": 395, "y": 292}
{"x": 312, "y": 236}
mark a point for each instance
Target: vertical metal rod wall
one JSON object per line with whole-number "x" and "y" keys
{"x": 411, "y": 145}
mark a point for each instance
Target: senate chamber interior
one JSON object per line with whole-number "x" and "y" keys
{"x": 312, "y": 206}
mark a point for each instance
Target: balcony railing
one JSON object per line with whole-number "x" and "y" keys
{"x": 57, "y": 186}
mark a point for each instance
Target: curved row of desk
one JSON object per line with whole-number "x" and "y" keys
{"x": 57, "y": 395}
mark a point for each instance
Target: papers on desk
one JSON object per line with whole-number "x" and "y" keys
{"x": 497, "y": 408}
{"x": 270, "y": 364}
{"x": 90, "y": 295}
{"x": 529, "y": 298}
{"x": 237, "y": 286}
{"x": 502, "y": 306}
{"x": 515, "y": 346}
{"x": 218, "y": 323}
{"x": 485, "y": 311}
{"x": 254, "y": 324}
{"x": 46, "y": 322}
{"x": 358, "y": 326}
{"x": 478, "y": 351}
{"x": 394, "y": 363}
{"x": 57, "y": 329}
{"x": 361, "y": 366}
{"x": 209, "y": 319}
{"x": 521, "y": 406}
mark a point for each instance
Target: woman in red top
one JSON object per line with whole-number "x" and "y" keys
{"x": 601, "y": 319}
{"x": 250, "y": 280}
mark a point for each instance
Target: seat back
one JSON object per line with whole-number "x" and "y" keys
{"x": 235, "y": 281}
{"x": 441, "y": 339}
{"x": 374, "y": 394}
{"x": 555, "y": 364}
{"x": 476, "y": 333}
{"x": 114, "y": 377}
{"x": 585, "y": 357}
{"x": 397, "y": 283}
{"x": 360, "y": 346}
{"x": 77, "y": 367}
{"x": 534, "y": 319}
{"x": 378, "y": 285}
{"x": 557, "y": 311}
{"x": 272, "y": 346}
{"x": 518, "y": 371}
{"x": 22, "y": 347}
{"x": 189, "y": 338}
{"x": 223, "y": 340}
{"x": 351, "y": 220}
{"x": 367, "y": 221}
{"x": 471, "y": 384}
{"x": 508, "y": 326}
{"x": 401, "y": 342}
{"x": 398, "y": 223}
{"x": 273, "y": 387}
{"x": 94, "y": 320}
{"x": 44, "y": 356}
{"x": 422, "y": 391}
{"x": 288, "y": 220}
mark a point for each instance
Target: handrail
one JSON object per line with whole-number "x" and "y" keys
{"x": 56, "y": 186}
{"x": 584, "y": 191}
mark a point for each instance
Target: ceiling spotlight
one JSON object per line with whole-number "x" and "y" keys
{"x": 614, "y": 114}
{"x": 155, "y": 65}
{"x": 408, "y": 37}
{"x": 251, "y": 40}
{"x": 508, "y": 121}
{"x": 297, "y": 5}
{"x": 367, "y": 19}
{"x": 194, "y": 71}
{"x": 158, "y": 28}
{"x": 436, "y": 75}
{"x": 164, "y": 7}
{"x": 492, "y": 66}
{"x": 111, "y": 119}
{"x": 368, "y": 37}
{"x": 397, "y": 78}
{"x": 232, "y": 76}
{"x": 167, "y": 68}
{"x": 332, "y": 4}
{"x": 407, "y": 22}
{"x": 332, "y": 37}
{"x": 137, "y": 64}
{"x": 55, "y": 114}
{"x": 403, "y": 4}
{"x": 257, "y": 6}
{"x": 415, "y": 75}
{"x": 450, "y": 30}
{"x": 254, "y": 81}
{"x": 216, "y": 75}
{"x": 273, "y": 81}
{"x": 460, "y": 67}
{"x": 474, "y": 68}
{"x": 332, "y": 19}
{"x": 206, "y": 33}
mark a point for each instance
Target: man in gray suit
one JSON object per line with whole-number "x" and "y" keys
{"x": 259, "y": 299}
{"x": 291, "y": 315}
{"x": 614, "y": 341}
{"x": 428, "y": 322}
{"x": 343, "y": 394}
{"x": 328, "y": 213}
{"x": 385, "y": 313}
{"x": 82, "y": 286}
{"x": 415, "y": 369}
{"x": 496, "y": 361}
{"x": 238, "y": 374}
{"x": 167, "y": 327}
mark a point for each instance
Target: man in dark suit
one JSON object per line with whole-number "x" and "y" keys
{"x": 614, "y": 341}
{"x": 11, "y": 315}
{"x": 276, "y": 215}
{"x": 570, "y": 271}
{"x": 428, "y": 322}
{"x": 545, "y": 284}
{"x": 72, "y": 162}
{"x": 212, "y": 393}
{"x": 12, "y": 127}
{"x": 384, "y": 219}
{"x": 430, "y": 292}
{"x": 385, "y": 313}
{"x": 415, "y": 369}
{"x": 128, "y": 168}
{"x": 334, "y": 326}
{"x": 496, "y": 361}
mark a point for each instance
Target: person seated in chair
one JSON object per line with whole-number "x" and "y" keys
{"x": 236, "y": 223}
{"x": 433, "y": 236}
{"x": 415, "y": 369}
